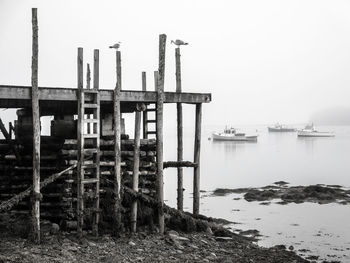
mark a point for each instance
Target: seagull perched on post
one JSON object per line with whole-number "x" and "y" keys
{"x": 116, "y": 46}
{"x": 179, "y": 42}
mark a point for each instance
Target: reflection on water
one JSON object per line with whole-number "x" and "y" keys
{"x": 274, "y": 157}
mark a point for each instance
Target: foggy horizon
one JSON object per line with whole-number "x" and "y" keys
{"x": 263, "y": 62}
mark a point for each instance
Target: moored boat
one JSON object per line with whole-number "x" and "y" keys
{"x": 310, "y": 131}
{"x": 280, "y": 128}
{"x": 231, "y": 134}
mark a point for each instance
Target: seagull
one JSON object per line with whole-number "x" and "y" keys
{"x": 179, "y": 42}
{"x": 116, "y": 46}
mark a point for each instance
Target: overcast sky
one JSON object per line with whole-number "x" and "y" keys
{"x": 263, "y": 61}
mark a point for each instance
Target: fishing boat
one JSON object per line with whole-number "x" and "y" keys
{"x": 280, "y": 128}
{"x": 310, "y": 131}
{"x": 231, "y": 134}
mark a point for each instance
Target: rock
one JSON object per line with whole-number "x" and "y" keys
{"x": 131, "y": 243}
{"x": 282, "y": 247}
{"x": 55, "y": 229}
{"x": 209, "y": 231}
{"x": 291, "y": 248}
{"x": 223, "y": 238}
{"x": 280, "y": 183}
{"x": 172, "y": 232}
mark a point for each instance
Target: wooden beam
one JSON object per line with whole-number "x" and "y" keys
{"x": 169, "y": 164}
{"x": 96, "y": 129}
{"x": 180, "y": 188}
{"x": 36, "y": 132}
{"x": 117, "y": 148}
{"x": 80, "y": 170}
{"x": 197, "y": 149}
{"x": 88, "y": 86}
{"x": 136, "y": 166}
{"x": 159, "y": 134}
{"x": 96, "y": 83}
{"x": 144, "y": 114}
{"x": 15, "y": 96}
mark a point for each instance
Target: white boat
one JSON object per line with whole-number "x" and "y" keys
{"x": 231, "y": 134}
{"x": 310, "y": 131}
{"x": 281, "y": 128}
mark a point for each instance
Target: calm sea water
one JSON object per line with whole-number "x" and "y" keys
{"x": 322, "y": 229}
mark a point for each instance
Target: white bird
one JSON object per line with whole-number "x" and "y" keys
{"x": 116, "y": 46}
{"x": 179, "y": 42}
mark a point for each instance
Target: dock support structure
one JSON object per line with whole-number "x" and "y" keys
{"x": 117, "y": 148}
{"x": 36, "y": 133}
{"x": 135, "y": 175}
{"x": 180, "y": 194}
{"x": 144, "y": 114}
{"x": 196, "y": 170}
{"x": 159, "y": 133}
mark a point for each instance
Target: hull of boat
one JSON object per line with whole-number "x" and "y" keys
{"x": 315, "y": 134}
{"x": 223, "y": 137}
{"x": 273, "y": 129}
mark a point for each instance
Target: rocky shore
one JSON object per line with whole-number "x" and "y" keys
{"x": 215, "y": 244}
{"x": 322, "y": 194}
{"x": 143, "y": 247}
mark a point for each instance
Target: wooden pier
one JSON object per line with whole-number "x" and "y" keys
{"x": 92, "y": 156}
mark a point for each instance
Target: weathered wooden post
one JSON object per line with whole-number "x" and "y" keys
{"x": 144, "y": 114}
{"x": 197, "y": 149}
{"x": 96, "y": 129}
{"x": 155, "y": 75}
{"x": 160, "y": 101}
{"x": 180, "y": 194}
{"x": 80, "y": 171}
{"x": 117, "y": 147}
{"x": 36, "y": 132}
{"x": 88, "y": 86}
{"x": 135, "y": 175}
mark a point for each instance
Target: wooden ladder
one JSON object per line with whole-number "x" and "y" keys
{"x": 147, "y": 120}
{"x": 88, "y": 172}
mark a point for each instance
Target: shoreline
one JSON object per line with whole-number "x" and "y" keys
{"x": 144, "y": 247}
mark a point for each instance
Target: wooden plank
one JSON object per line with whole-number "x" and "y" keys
{"x": 180, "y": 188}
{"x": 80, "y": 171}
{"x": 197, "y": 149}
{"x": 36, "y": 132}
{"x": 159, "y": 114}
{"x": 14, "y": 96}
{"x": 144, "y": 114}
{"x": 136, "y": 166}
{"x": 117, "y": 148}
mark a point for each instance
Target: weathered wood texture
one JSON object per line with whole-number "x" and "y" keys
{"x": 20, "y": 96}
{"x": 80, "y": 130}
{"x": 7, "y": 205}
{"x": 117, "y": 148}
{"x": 197, "y": 149}
{"x": 159, "y": 132}
{"x": 8, "y": 138}
{"x": 180, "y": 189}
{"x": 144, "y": 114}
{"x": 135, "y": 176}
{"x": 170, "y": 164}
{"x": 36, "y": 131}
